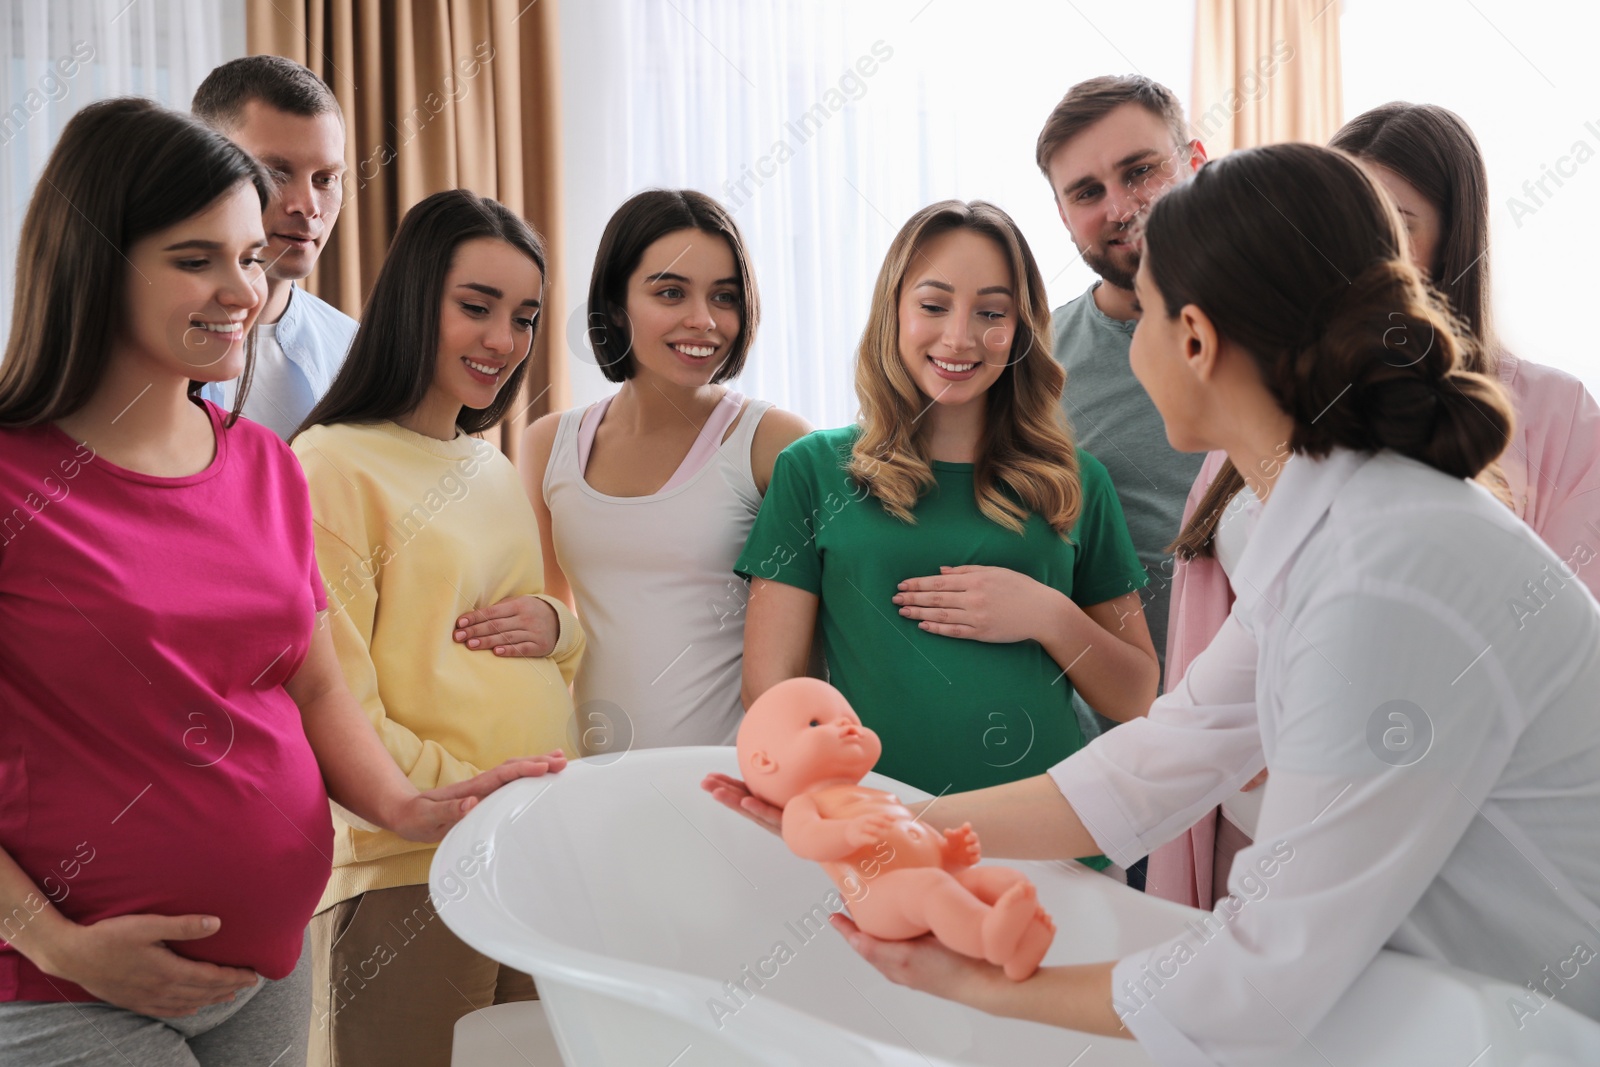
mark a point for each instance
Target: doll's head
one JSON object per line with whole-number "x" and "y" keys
{"x": 799, "y": 733}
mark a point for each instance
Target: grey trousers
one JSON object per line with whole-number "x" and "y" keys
{"x": 264, "y": 1026}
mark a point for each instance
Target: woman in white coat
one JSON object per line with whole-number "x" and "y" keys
{"x": 1425, "y": 671}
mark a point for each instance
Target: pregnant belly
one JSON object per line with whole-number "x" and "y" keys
{"x": 253, "y": 849}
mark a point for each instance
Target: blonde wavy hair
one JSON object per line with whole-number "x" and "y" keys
{"x": 1026, "y": 459}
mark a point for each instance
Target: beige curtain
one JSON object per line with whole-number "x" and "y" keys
{"x": 1265, "y": 71}
{"x": 437, "y": 94}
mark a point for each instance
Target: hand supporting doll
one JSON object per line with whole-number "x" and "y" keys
{"x": 802, "y": 748}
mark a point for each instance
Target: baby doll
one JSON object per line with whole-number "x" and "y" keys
{"x": 802, "y": 748}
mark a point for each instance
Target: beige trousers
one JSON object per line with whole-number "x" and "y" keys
{"x": 389, "y": 981}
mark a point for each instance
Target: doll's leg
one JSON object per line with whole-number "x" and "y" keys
{"x": 1020, "y": 936}
{"x": 988, "y": 884}
{"x": 1030, "y": 952}
{"x": 1009, "y": 919}
{"x": 910, "y": 902}
{"x": 1014, "y": 932}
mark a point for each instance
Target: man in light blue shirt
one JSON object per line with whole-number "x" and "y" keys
{"x": 288, "y": 118}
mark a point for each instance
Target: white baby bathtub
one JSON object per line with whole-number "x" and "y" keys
{"x": 639, "y": 904}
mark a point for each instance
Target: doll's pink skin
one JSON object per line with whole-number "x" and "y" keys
{"x": 802, "y": 748}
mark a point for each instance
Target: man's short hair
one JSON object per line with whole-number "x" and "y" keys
{"x": 1090, "y": 101}
{"x": 275, "y": 81}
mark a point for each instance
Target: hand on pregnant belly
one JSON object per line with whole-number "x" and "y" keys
{"x": 991, "y": 604}
{"x": 522, "y": 626}
{"x": 125, "y": 961}
{"x": 429, "y": 816}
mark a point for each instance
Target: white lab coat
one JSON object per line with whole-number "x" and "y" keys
{"x": 1427, "y": 696}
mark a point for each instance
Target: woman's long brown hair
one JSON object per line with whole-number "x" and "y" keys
{"x": 1297, "y": 255}
{"x": 1434, "y": 150}
{"x": 1026, "y": 446}
{"x": 391, "y": 363}
{"x": 123, "y": 169}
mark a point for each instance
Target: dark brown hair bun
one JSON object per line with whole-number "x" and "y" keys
{"x": 1298, "y": 257}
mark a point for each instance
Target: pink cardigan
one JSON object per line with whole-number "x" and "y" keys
{"x": 1552, "y": 467}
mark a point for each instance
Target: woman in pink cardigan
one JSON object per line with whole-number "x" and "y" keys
{"x": 1428, "y": 160}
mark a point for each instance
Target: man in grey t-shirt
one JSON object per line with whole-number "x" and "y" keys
{"x": 1108, "y": 149}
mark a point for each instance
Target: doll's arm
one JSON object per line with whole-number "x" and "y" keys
{"x": 810, "y": 834}
{"x": 961, "y": 848}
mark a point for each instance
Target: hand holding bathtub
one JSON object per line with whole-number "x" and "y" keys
{"x": 803, "y": 750}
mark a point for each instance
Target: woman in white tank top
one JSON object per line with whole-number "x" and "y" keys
{"x": 644, "y": 499}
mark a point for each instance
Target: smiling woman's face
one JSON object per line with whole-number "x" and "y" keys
{"x": 491, "y": 295}
{"x": 193, "y": 290}
{"x": 684, "y": 313}
{"x": 957, "y": 316}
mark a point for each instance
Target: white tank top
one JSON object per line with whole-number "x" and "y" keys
{"x": 654, "y": 584}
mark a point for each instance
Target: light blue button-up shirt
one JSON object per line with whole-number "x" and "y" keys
{"x": 314, "y": 336}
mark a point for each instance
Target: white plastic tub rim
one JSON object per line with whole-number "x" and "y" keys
{"x": 1404, "y": 1011}
{"x": 770, "y": 1033}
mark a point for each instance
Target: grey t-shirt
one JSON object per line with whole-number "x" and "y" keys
{"x": 1114, "y": 420}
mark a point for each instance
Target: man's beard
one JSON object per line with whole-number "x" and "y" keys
{"x": 1112, "y": 272}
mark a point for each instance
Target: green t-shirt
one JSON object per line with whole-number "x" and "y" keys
{"x": 954, "y": 714}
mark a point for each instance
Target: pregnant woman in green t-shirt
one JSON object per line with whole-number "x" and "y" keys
{"x": 968, "y": 566}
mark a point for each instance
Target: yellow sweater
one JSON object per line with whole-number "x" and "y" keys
{"x": 411, "y": 532}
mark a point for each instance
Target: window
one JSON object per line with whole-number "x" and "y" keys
{"x": 62, "y": 55}
{"x": 1526, "y": 82}
{"x": 823, "y": 124}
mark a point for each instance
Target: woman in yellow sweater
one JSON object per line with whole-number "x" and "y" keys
{"x": 417, "y": 521}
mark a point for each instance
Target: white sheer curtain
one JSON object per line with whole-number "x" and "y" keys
{"x": 64, "y": 54}
{"x": 824, "y": 124}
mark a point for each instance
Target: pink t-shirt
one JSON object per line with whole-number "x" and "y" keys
{"x": 150, "y": 758}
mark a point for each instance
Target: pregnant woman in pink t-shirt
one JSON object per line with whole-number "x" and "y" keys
{"x": 174, "y": 720}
